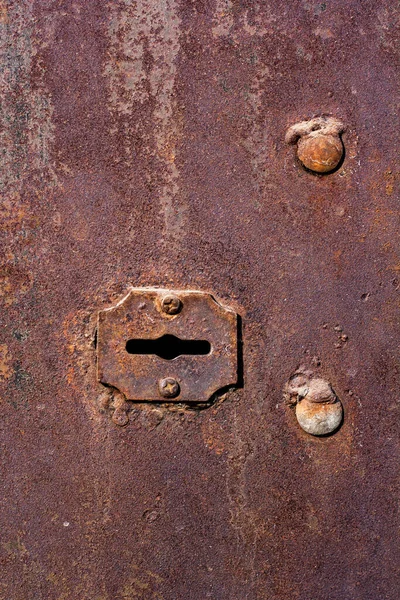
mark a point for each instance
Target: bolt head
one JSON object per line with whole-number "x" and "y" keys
{"x": 171, "y": 304}
{"x": 169, "y": 387}
{"x": 320, "y": 152}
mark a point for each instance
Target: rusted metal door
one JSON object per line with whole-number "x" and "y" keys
{"x": 246, "y": 151}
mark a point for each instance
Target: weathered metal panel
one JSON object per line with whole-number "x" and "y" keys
{"x": 143, "y": 144}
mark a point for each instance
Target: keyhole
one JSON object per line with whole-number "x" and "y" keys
{"x": 169, "y": 347}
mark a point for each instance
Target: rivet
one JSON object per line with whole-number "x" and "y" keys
{"x": 171, "y": 304}
{"x": 169, "y": 387}
{"x": 319, "y": 146}
{"x": 319, "y": 419}
{"x": 120, "y": 417}
{"x": 318, "y": 409}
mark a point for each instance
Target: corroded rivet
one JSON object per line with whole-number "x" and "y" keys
{"x": 318, "y": 409}
{"x": 120, "y": 417}
{"x": 169, "y": 387}
{"x": 171, "y": 304}
{"x": 319, "y": 419}
{"x": 319, "y": 146}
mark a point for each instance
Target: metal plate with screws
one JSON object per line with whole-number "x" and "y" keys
{"x": 159, "y": 345}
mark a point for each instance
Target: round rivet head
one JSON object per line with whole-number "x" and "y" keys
{"x": 169, "y": 387}
{"x": 320, "y": 153}
{"x": 319, "y": 418}
{"x": 171, "y": 304}
{"x": 319, "y": 146}
{"x": 318, "y": 409}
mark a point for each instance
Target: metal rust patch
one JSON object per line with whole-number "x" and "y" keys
{"x": 160, "y": 345}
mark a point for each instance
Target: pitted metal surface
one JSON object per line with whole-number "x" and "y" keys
{"x": 143, "y": 144}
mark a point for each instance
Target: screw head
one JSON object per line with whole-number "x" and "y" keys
{"x": 320, "y": 152}
{"x": 171, "y": 304}
{"x": 169, "y": 387}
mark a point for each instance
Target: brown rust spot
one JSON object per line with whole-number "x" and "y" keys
{"x": 6, "y": 370}
{"x": 214, "y": 436}
{"x": 14, "y": 282}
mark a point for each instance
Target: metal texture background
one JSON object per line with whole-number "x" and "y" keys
{"x": 143, "y": 144}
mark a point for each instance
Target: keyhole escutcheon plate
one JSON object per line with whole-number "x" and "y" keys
{"x": 156, "y": 334}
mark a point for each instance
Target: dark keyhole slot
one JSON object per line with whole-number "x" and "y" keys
{"x": 168, "y": 347}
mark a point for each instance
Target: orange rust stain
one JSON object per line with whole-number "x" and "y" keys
{"x": 395, "y": 268}
{"x": 383, "y": 214}
{"x": 338, "y": 261}
{"x": 13, "y": 283}
{"x": 75, "y": 336}
{"x": 70, "y": 375}
{"x": 390, "y": 179}
{"x": 382, "y": 217}
{"x": 12, "y": 211}
{"x": 3, "y": 12}
{"x": 213, "y": 435}
{"x": 168, "y": 153}
{"x": 6, "y": 369}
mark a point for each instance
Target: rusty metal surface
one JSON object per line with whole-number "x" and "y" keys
{"x": 139, "y": 316}
{"x": 143, "y": 144}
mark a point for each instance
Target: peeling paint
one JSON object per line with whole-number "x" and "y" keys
{"x": 26, "y": 130}
{"x": 141, "y": 70}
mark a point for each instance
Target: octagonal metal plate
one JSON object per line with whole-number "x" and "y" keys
{"x": 140, "y": 316}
